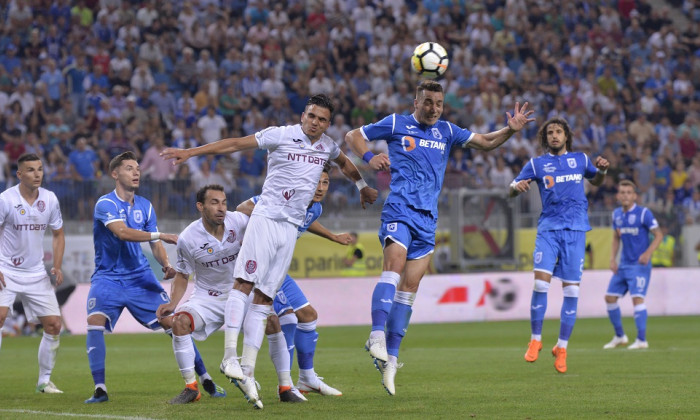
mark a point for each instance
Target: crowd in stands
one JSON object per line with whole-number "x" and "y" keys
{"x": 81, "y": 81}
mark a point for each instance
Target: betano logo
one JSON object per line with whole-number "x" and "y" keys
{"x": 408, "y": 143}
{"x": 548, "y": 181}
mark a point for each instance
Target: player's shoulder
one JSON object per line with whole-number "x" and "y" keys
{"x": 141, "y": 202}
{"x": 10, "y": 194}
{"x": 190, "y": 231}
{"x": 236, "y": 219}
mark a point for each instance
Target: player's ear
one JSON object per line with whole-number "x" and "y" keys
{"x": 200, "y": 206}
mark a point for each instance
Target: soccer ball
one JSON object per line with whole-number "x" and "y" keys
{"x": 430, "y": 60}
{"x": 503, "y": 294}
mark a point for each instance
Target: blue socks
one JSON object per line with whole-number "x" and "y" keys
{"x": 568, "y": 312}
{"x": 538, "y": 307}
{"x": 615, "y": 316}
{"x": 288, "y": 323}
{"x": 397, "y": 322}
{"x": 640, "y": 320}
{"x": 305, "y": 342}
{"x": 96, "y": 352}
{"x": 382, "y": 299}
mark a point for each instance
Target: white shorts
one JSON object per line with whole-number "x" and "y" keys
{"x": 38, "y": 297}
{"x": 207, "y": 313}
{"x": 266, "y": 253}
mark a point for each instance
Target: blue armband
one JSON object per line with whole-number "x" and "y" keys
{"x": 367, "y": 156}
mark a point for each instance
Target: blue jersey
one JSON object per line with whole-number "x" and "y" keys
{"x": 114, "y": 258}
{"x": 633, "y": 228}
{"x": 312, "y": 213}
{"x": 418, "y": 155}
{"x": 560, "y": 181}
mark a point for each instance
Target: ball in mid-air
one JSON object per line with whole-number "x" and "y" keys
{"x": 430, "y": 60}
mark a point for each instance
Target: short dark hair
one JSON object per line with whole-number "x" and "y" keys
{"x": 322, "y": 100}
{"x": 542, "y": 134}
{"x": 429, "y": 85}
{"x": 119, "y": 159}
{"x": 27, "y": 157}
{"x": 202, "y": 193}
{"x": 327, "y": 167}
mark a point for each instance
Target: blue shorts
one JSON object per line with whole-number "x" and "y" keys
{"x": 411, "y": 228}
{"x": 632, "y": 278}
{"x": 289, "y": 296}
{"x": 560, "y": 253}
{"x": 141, "y": 296}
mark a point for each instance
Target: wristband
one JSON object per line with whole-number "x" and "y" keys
{"x": 604, "y": 171}
{"x": 155, "y": 236}
{"x": 361, "y": 183}
{"x": 367, "y": 156}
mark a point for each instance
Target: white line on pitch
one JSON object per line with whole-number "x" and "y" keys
{"x": 51, "y": 413}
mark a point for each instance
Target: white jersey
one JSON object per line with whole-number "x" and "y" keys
{"x": 210, "y": 260}
{"x": 22, "y": 242}
{"x": 294, "y": 167}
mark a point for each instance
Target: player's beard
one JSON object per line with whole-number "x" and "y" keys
{"x": 555, "y": 150}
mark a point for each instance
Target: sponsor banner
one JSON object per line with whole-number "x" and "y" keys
{"x": 458, "y": 298}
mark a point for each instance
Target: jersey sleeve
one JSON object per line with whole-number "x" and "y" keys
{"x": 381, "y": 130}
{"x": 269, "y": 138}
{"x": 185, "y": 260}
{"x": 528, "y": 172}
{"x": 335, "y": 150}
{"x": 649, "y": 220}
{"x": 591, "y": 170}
{"x": 3, "y": 210}
{"x": 55, "y": 219}
{"x": 106, "y": 211}
{"x": 151, "y": 224}
{"x": 460, "y": 136}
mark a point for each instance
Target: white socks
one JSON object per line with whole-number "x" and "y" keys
{"x": 253, "y": 333}
{"x": 280, "y": 358}
{"x": 47, "y": 356}
{"x": 184, "y": 355}
{"x": 235, "y": 311}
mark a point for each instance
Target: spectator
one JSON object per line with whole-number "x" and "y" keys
{"x": 83, "y": 166}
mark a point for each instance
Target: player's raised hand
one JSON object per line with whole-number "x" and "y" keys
{"x": 601, "y": 163}
{"x": 165, "y": 310}
{"x": 177, "y": 155}
{"x": 2, "y": 281}
{"x": 168, "y": 272}
{"x": 58, "y": 274}
{"x": 368, "y": 195}
{"x": 380, "y": 162}
{"x": 520, "y": 117}
{"x": 169, "y": 238}
{"x": 343, "y": 238}
{"x": 522, "y": 186}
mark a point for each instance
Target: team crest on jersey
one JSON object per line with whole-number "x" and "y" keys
{"x": 16, "y": 261}
{"x": 231, "y": 236}
{"x": 41, "y": 205}
{"x": 631, "y": 219}
{"x": 309, "y": 216}
{"x": 138, "y": 216}
{"x": 91, "y": 303}
{"x": 251, "y": 266}
{"x": 282, "y": 297}
{"x": 320, "y": 148}
{"x": 538, "y": 257}
{"x": 436, "y": 133}
{"x": 288, "y": 194}
{"x": 571, "y": 162}
{"x": 391, "y": 227}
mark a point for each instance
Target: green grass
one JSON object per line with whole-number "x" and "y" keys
{"x": 472, "y": 370}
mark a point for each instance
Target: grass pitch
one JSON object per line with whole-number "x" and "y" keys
{"x": 456, "y": 371}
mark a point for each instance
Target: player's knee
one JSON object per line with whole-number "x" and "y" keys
{"x": 571, "y": 291}
{"x": 273, "y": 325}
{"x": 610, "y": 299}
{"x": 97, "y": 319}
{"x": 307, "y": 314}
{"x": 182, "y": 324}
{"x": 52, "y": 325}
{"x": 541, "y": 286}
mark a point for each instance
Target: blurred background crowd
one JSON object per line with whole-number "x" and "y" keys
{"x": 85, "y": 80}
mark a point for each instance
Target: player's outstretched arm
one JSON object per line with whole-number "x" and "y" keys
{"x": 162, "y": 257}
{"x": 59, "y": 248}
{"x": 516, "y": 122}
{"x": 367, "y": 194}
{"x": 318, "y": 229}
{"x": 221, "y": 147}
{"x": 125, "y": 233}
{"x": 246, "y": 207}
{"x": 358, "y": 145}
{"x": 519, "y": 187}
{"x": 177, "y": 291}
{"x": 602, "y": 164}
